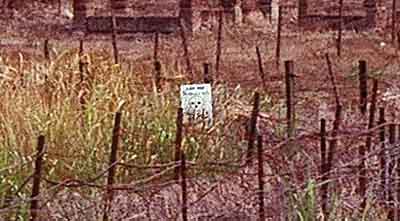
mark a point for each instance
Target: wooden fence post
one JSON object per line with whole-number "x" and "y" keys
{"x": 112, "y": 164}
{"x": 36, "y": 179}
{"x": 382, "y": 154}
{"x": 82, "y": 87}
{"x": 114, "y": 39}
{"x": 46, "y": 50}
{"x": 184, "y": 187}
{"x": 363, "y": 78}
{"x": 340, "y": 30}
{"x": 207, "y": 74}
{"x": 290, "y": 112}
{"x": 157, "y": 75}
{"x": 333, "y": 80}
{"x": 185, "y": 49}
{"x": 156, "y": 45}
{"x": 81, "y": 63}
{"x": 372, "y": 111}
{"x": 398, "y": 40}
{"x": 324, "y": 171}
{"x": 394, "y": 20}
{"x": 252, "y": 127}
{"x": 178, "y": 140}
{"x": 397, "y": 190}
{"x": 260, "y": 68}
{"x": 363, "y": 150}
{"x": 261, "y": 182}
{"x": 334, "y": 142}
{"x": 219, "y": 42}
{"x": 81, "y": 48}
{"x": 391, "y": 172}
{"x": 278, "y": 41}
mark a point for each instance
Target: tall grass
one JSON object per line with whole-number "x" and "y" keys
{"x": 44, "y": 98}
{"x": 37, "y": 97}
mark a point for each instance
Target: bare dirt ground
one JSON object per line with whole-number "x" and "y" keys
{"x": 25, "y": 31}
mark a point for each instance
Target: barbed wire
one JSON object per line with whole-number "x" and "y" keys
{"x": 342, "y": 170}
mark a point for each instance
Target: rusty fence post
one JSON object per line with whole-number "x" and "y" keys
{"x": 252, "y": 127}
{"x": 363, "y": 79}
{"x": 81, "y": 47}
{"x": 278, "y": 41}
{"x": 260, "y": 68}
{"x": 219, "y": 42}
{"x": 37, "y": 178}
{"x": 112, "y": 164}
{"x": 207, "y": 74}
{"x": 382, "y": 154}
{"x": 334, "y": 142}
{"x": 185, "y": 49}
{"x": 46, "y": 50}
{"x": 178, "y": 140}
{"x": 333, "y": 80}
{"x": 261, "y": 174}
{"x": 324, "y": 170}
{"x": 372, "y": 111}
{"x": 157, "y": 75}
{"x": 114, "y": 39}
{"x": 391, "y": 172}
{"x": 290, "y": 110}
{"x": 363, "y": 150}
{"x": 156, "y": 45}
{"x": 398, "y": 40}
{"x": 394, "y": 20}
{"x": 81, "y": 62}
{"x": 340, "y": 30}
{"x": 80, "y": 53}
{"x": 184, "y": 187}
{"x": 82, "y": 85}
{"x": 397, "y": 190}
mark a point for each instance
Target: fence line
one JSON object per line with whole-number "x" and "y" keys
{"x": 181, "y": 167}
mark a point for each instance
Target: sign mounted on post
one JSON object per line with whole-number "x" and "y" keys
{"x": 196, "y": 102}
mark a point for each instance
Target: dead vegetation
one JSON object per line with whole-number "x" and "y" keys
{"x": 72, "y": 102}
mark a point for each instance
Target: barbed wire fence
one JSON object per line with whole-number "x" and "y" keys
{"x": 288, "y": 162}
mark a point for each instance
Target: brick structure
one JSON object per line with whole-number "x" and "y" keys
{"x": 192, "y": 13}
{"x": 323, "y": 14}
{"x": 235, "y": 11}
{"x": 166, "y": 15}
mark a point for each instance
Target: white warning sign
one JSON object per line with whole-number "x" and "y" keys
{"x": 196, "y": 102}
